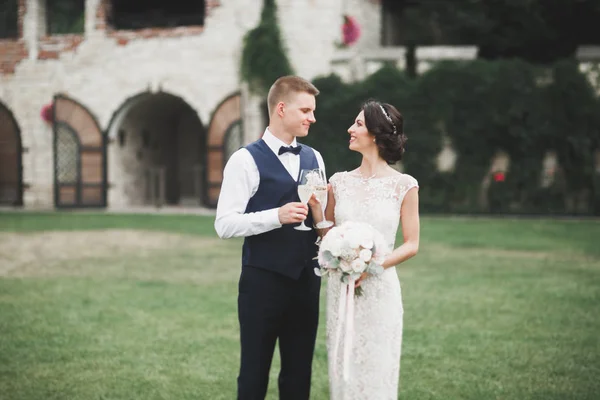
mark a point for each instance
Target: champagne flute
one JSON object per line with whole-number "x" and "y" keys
{"x": 320, "y": 190}
{"x": 305, "y": 190}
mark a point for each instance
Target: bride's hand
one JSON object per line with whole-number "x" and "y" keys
{"x": 315, "y": 205}
{"x": 359, "y": 280}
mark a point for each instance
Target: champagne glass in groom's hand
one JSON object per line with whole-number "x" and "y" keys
{"x": 305, "y": 191}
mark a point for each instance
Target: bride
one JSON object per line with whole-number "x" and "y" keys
{"x": 377, "y": 194}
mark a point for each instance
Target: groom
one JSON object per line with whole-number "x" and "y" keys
{"x": 278, "y": 290}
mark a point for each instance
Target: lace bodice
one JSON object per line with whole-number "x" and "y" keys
{"x": 376, "y": 201}
{"x": 374, "y": 365}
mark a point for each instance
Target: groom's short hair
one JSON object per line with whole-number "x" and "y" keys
{"x": 286, "y": 85}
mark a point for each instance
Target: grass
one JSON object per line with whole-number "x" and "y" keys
{"x": 73, "y": 221}
{"x": 494, "y": 309}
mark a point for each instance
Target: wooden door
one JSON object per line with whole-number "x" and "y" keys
{"x": 79, "y": 156}
{"x": 11, "y": 178}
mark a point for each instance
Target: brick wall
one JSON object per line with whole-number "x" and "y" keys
{"x": 11, "y": 53}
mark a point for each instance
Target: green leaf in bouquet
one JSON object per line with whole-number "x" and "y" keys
{"x": 335, "y": 263}
{"x": 355, "y": 275}
{"x": 328, "y": 257}
{"x": 374, "y": 269}
{"x": 345, "y": 278}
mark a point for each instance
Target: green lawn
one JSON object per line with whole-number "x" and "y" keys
{"x": 98, "y": 306}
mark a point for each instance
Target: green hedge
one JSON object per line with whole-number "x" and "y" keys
{"x": 482, "y": 107}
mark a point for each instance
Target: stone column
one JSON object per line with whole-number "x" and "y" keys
{"x": 253, "y": 123}
{"x": 32, "y": 13}
{"x": 95, "y": 16}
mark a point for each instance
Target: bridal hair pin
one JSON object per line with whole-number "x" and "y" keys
{"x": 387, "y": 116}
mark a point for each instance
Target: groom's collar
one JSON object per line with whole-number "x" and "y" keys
{"x": 275, "y": 143}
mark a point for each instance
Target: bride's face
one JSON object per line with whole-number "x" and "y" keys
{"x": 360, "y": 138}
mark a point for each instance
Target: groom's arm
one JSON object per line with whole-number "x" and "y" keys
{"x": 240, "y": 182}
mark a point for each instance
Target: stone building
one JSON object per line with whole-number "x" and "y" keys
{"x": 137, "y": 108}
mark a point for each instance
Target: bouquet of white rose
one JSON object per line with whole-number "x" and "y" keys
{"x": 352, "y": 248}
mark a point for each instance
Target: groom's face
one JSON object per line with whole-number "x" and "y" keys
{"x": 299, "y": 113}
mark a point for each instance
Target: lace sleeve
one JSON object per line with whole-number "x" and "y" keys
{"x": 405, "y": 183}
{"x": 335, "y": 181}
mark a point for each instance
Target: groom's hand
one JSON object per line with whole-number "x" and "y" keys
{"x": 293, "y": 213}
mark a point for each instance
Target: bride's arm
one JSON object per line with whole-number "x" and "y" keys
{"x": 410, "y": 230}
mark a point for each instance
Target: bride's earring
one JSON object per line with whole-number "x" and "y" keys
{"x": 373, "y": 140}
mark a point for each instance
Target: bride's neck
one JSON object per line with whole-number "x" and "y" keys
{"x": 372, "y": 166}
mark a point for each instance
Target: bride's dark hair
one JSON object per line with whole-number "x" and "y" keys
{"x": 386, "y": 123}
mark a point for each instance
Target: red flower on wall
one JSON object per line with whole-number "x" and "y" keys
{"x": 350, "y": 30}
{"x": 46, "y": 113}
{"x": 499, "y": 177}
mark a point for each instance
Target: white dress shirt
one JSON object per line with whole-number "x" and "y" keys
{"x": 240, "y": 182}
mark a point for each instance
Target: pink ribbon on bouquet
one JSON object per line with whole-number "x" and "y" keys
{"x": 345, "y": 314}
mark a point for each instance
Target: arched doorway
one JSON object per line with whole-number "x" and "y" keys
{"x": 158, "y": 152}
{"x": 11, "y": 177}
{"x": 225, "y": 135}
{"x": 79, "y": 156}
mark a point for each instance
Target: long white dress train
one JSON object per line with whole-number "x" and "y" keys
{"x": 374, "y": 367}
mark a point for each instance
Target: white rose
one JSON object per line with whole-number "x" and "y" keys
{"x": 358, "y": 265}
{"x": 333, "y": 242}
{"x": 367, "y": 243}
{"x": 345, "y": 266}
{"x": 348, "y": 253}
{"x": 365, "y": 255}
{"x": 353, "y": 238}
{"x": 335, "y": 248}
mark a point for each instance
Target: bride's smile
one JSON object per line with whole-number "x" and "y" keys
{"x": 360, "y": 137}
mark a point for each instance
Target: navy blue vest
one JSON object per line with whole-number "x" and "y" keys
{"x": 285, "y": 250}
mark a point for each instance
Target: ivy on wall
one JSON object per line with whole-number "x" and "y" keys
{"x": 263, "y": 56}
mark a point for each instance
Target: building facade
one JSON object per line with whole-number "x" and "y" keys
{"x": 124, "y": 115}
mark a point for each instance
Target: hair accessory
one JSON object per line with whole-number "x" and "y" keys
{"x": 387, "y": 116}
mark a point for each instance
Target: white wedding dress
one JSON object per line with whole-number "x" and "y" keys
{"x": 374, "y": 360}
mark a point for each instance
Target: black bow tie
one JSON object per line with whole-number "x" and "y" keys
{"x": 284, "y": 149}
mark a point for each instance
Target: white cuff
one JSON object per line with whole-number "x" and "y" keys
{"x": 272, "y": 218}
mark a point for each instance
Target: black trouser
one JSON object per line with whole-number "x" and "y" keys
{"x": 270, "y": 307}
